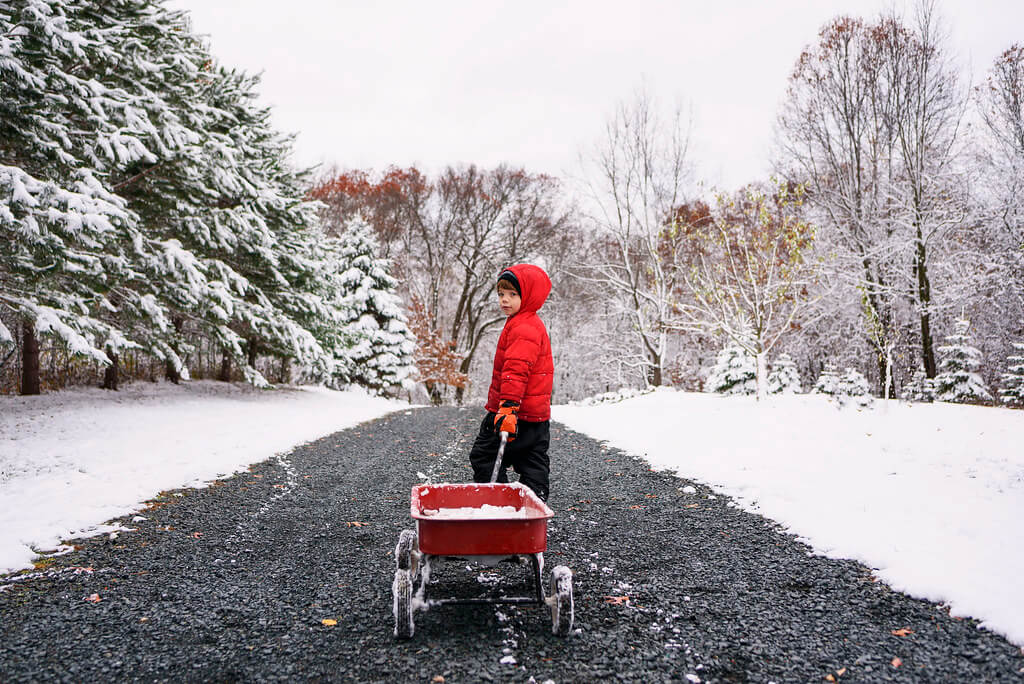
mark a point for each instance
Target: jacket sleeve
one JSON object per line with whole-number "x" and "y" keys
{"x": 524, "y": 345}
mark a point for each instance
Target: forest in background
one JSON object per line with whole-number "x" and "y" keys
{"x": 155, "y": 221}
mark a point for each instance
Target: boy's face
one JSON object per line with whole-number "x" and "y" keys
{"x": 509, "y": 301}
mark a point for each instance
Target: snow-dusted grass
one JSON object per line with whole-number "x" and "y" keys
{"x": 71, "y": 460}
{"x": 930, "y": 496}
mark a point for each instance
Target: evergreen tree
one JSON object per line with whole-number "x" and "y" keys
{"x": 958, "y": 379}
{"x": 828, "y": 382}
{"x": 734, "y": 372}
{"x": 853, "y": 387}
{"x": 145, "y": 195}
{"x": 1012, "y": 391}
{"x": 784, "y": 377}
{"x": 61, "y": 130}
{"x": 381, "y": 352}
{"x": 920, "y": 388}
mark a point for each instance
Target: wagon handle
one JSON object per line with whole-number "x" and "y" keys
{"x": 501, "y": 453}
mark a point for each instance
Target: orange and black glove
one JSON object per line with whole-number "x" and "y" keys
{"x": 505, "y": 419}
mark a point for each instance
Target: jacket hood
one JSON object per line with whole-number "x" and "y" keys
{"x": 534, "y": 283}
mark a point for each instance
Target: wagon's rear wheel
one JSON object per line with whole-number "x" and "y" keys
{"x": 561, "y": 601}
{"x": 401, "y": 588}
{"x": 407, "y": 554}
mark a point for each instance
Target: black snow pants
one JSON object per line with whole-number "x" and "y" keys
{"x": 527, "y": 454}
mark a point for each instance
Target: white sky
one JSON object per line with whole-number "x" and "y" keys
{"x": 531, "y": 82}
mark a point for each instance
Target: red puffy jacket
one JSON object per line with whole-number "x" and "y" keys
{"x": 523, "y": 368}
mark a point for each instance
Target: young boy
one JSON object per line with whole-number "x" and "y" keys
{"x": 519, "y": 399}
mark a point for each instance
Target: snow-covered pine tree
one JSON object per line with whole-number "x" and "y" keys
{"x": 784, "y": 377}
{"x": 734, "y": 372}
{"x": 271, "y": 232}
{"x": 371, "y": 312}
{"x": 1012, "y": 390}
{"x": 828, "y": 382}
{"x": 207, "y": 233}
{"x": 853, "y": 387}
{"x": 61, "y": 130}
{"x": 958, "y": 379}
{"x": 920, "y": 388}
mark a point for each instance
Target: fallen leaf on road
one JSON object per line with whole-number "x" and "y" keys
{"x": 616, "y": 600}
{"x": 329, "y": 622}
{"x": 356, "y": 523}
{"x": 902, "y": 632}
{"x": 896, "y": 662}
{"x": 840, "y": 672}
{"x": 829, "y": 678}
{"x": 93, "y": 598}
{"x": 692, "y": 506}
{"x": 438, "y": 679}
{"x": 197, "y": 535}
{"x": 636, "y": 508}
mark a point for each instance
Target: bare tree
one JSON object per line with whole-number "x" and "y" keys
{"x": 639, "y": 173}
{"x": 749, "y": 271}
{"x": 926, "y": 108}
{"x": 872, "y": 121}
{"x": 834, "y": 132}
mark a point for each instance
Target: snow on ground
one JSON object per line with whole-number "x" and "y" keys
{"x": 930, "y": 496}
{"x": 71, "y": 460}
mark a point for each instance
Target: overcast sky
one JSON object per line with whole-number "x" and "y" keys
{"x": 531, "y": 83}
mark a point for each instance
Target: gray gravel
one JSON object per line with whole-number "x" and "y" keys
{"x": 232, "y": 582}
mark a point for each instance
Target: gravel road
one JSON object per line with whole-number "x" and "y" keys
{"x": 233, "y": 582}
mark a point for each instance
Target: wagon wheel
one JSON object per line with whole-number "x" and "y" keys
{"x": 407, "y": 555}
{"x": 561, "y": 601}
{"x": 402, "y": 590}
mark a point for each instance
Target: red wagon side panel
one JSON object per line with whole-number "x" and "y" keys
{"x": 497, "y": 534}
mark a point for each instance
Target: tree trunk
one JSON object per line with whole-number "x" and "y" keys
{"x": 252, "y": 349}
{"x": 460, "y": 392}
{"x": 762, "y": 375}
{"x": 29, "y": 359}
{"x": 654, "y": 376}
{"x": 285, "y": 376}
{"x": 171, "y": 372}
{"x": 225, "y": 368}
{"x": 924, "y": 296}
{"x": 434, "y": 390}
{"x": 110, "y": 374}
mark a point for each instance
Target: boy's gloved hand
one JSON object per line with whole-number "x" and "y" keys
{"x": 505, "y": 419}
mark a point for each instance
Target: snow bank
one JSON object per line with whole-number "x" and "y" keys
{"x": 71, "y": 460}
{"x": 930, "y": 495}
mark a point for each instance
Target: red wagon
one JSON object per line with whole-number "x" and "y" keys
{"x": 483, "y": 521}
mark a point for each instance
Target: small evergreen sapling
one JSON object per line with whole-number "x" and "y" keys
{"x": 920, "y": 388}
{"x": 853, "y": 388}
{"x": 784, "y": 377}
{"x": 1012, "y": 391}
{"x": 828, "y": 381}
{"x": 734, "y": 372}
{"x": 370, "y": 311}
{"x": 958, "y": 379}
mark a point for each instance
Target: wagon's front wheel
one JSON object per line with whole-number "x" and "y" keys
{"x": 561, "y": 601}
{"x": 401, "y": 588}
